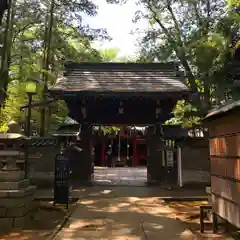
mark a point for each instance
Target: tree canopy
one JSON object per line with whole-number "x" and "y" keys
{"x": 28, "y": 49}
{"x": 198, "y": 34}
{"x": 37, "y": 37}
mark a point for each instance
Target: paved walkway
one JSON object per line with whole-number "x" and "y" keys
{"x": 134, "y": 176}
{"x": 112, "y": 217}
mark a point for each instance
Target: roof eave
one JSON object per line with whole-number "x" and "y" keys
{"x": 62, "y": 92}
{"x": 222, "y": 110}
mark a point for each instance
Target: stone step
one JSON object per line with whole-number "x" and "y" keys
{"x": 11, "y": 176}
{"x": 14, "y": 185}
{"x": 17, "y": 193}
{"x": 10, "y": 202}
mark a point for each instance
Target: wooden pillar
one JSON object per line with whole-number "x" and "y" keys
{"x": 155, "y": 168}
{"x": 103, "y": 153}
{"x": 134, "y": 143}
{"x": 86, "y": 159}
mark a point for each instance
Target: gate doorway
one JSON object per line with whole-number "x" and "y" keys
{"x": 125, "y": 146}
{"x": 120, "y": 156}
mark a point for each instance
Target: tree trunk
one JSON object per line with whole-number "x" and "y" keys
{"x": 47, "y": 59}
{"x": 3, "y": 7}
{"x": 6, "y": 53}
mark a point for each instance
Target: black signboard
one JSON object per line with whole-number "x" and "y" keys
{"x": 61, "y": 180}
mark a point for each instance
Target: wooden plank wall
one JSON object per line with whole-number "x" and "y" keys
{"x": 225, "y": 166}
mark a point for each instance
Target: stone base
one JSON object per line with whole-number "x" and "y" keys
{"x": 195, "y": 176}
{"x": 9, "y": 223}
{"x": 153, "y": 183}
{"x": 17, "y": 201}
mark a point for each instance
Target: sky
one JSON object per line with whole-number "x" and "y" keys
{"x": 117, "y": 19}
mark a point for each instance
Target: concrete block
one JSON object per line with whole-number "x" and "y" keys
{"x": 195, "y": 176}
{"x": 13, "y": 185}
{"x": 30, "y": 190}
{"x": 6, "y": 223}
{"x": 11, "y": 176}
{"x": 18, "y": 222}
{"x": 3, "y": 212}
{"x": 22, "y": 210}
{"x": 15, "y": 202}
{"x": 17, "y": 211}
{"x": 3, "y": 193}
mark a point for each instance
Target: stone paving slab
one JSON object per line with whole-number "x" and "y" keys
{"x": 120, "y": 176}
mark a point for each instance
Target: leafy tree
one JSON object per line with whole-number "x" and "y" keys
{"x": 3, "y": 8}
{"x": 109, "y": 54}
{"x": 32, "y": 51}
{"x": 197, "y": 34}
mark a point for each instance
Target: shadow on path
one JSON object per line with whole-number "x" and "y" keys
{"x": 121, "y": 217}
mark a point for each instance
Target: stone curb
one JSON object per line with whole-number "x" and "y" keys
{"x": 58, "y": 228}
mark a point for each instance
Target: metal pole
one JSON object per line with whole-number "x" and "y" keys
{"x": 28, "y": 133}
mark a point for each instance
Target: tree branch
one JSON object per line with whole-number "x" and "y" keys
{"x": 179, "y": 51}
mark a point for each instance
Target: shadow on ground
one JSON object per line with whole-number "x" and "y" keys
{"x": 41, "y": 225}
{"x": 120, "y": 214}
{"x": 128, "y": 191}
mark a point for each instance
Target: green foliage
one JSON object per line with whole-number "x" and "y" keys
{"x": 197, "y": 34}
{"x": 109, "y": 129}
{"x": 110, "y": 54}
{"x": 184, "y": 114}
{"x": 71, "y": 41}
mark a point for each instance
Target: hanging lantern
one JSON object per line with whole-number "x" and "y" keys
{"x": 83, "y": 110}
{"x": 84, "y": 113}
{"x": 158, "y": 111}
{"x": 121, "y": 109}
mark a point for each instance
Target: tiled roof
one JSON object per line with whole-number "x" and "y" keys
{"x": 223, "y": 109}
{"x": 120, "y": 77}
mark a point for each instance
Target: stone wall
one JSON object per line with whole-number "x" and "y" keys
{"x": 195, "y": 161}
{"x": 42, "y": 168}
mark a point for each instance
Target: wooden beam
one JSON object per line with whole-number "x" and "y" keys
{"x": 39, "y": 104}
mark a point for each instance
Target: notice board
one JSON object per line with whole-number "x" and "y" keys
{"x": 61, "y": 180}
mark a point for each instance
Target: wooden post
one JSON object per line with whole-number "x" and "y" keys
{"x": 215, "y": 222}
{"x": 87, "y": 160}
{"x": 134, "y": 142}
{"x": 103, "y": 154}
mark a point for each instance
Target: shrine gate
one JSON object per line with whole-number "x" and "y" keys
{"x": 121, "y": 94}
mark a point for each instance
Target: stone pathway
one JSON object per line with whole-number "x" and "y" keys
{"x": 121, "y": 218}
{"x": 134, "y": 176}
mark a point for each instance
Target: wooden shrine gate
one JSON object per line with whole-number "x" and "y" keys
{"x": 122, "y": 94}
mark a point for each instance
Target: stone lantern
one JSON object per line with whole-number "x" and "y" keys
{"x": 16, "y": 195}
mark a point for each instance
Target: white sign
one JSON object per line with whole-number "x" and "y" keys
{"x": 170, "y": 158}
